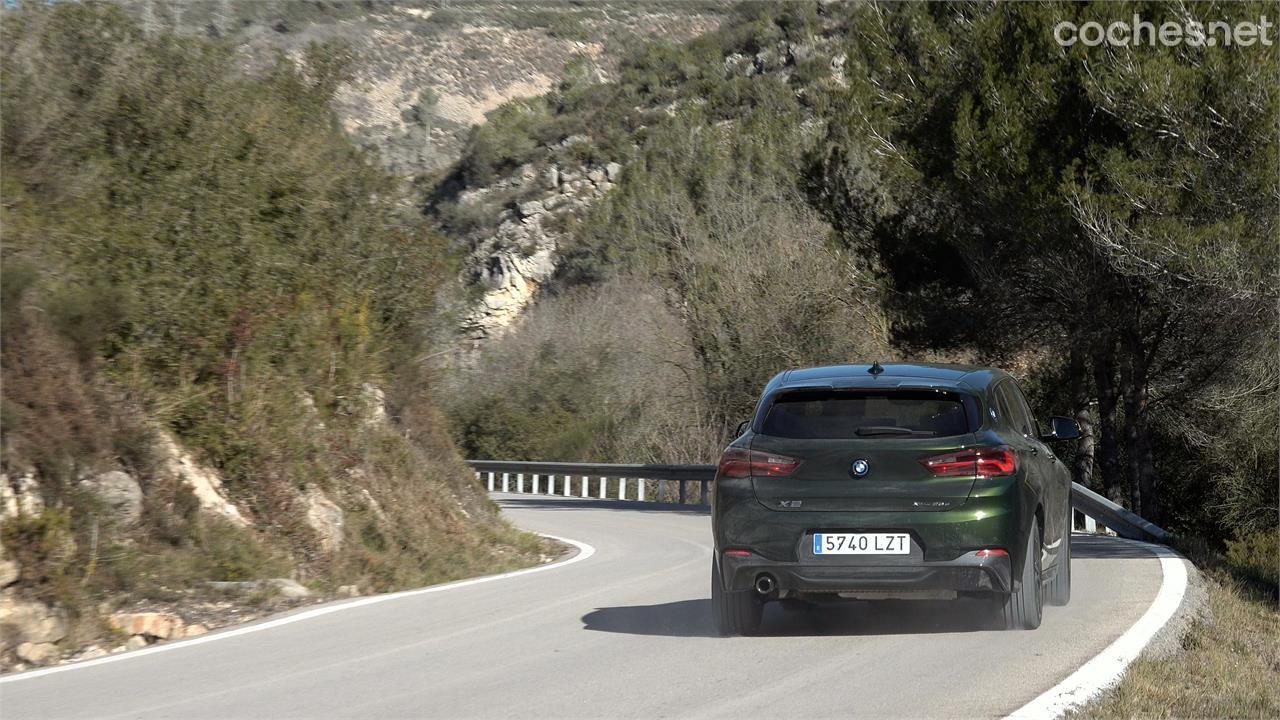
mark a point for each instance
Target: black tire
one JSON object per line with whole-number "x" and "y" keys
{"x": 735, "y": 613}
{"x": 1021, "y": 609}
{"x": 1059, "y": 590}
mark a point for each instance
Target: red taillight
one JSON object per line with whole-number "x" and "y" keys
{"x": 983, "y": 462}
{"x": 992, "y": 552}
{"x": 736, "y": 552}
{"x": 740, "y": 463}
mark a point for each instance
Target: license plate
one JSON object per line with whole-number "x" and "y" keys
{"x": 861, "y": 544}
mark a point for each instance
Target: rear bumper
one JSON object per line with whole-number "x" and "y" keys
{"x": 943, "y": 552}
{"x": 967, "y": 573}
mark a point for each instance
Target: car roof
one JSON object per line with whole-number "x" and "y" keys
{"x": 974, "y": 378}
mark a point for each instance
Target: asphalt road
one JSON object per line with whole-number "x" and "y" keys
{"x": 624, "y": 633}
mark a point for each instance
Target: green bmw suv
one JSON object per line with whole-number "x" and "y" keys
{"x": 893, "y": 481}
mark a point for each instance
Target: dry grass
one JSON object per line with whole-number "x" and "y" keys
{"x": 1228, "y": 667}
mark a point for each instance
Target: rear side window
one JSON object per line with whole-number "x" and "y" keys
{"x": 1014, "y": 408}
{"x": 832, "y": 414}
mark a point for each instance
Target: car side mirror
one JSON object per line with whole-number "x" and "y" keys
{"x": 742, "y": 427}
{"x": 1061, "y": 428}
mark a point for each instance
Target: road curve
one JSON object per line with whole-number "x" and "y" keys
{"x": 624, "y": 633}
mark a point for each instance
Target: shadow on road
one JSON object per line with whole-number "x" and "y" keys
{"x": 692, "y": 618}
{"x": 684, "y": 618}
{"x": 515, "y": 501}
{"x": 1103, "y": 547}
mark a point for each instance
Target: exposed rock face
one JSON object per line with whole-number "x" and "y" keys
{"x": 511, "y": 278}
{"x": 422, "y": 77}
{"x": 120, "y": 492}
{"x": 373, "y": 404}
{"x": 203, "y": 481}
{"x": 287, "y": 588}
{"x": 8, "y": 499}
{"x": 531, "y": 208}
{"x": 20, "y": 495}
{"x": 520, "y": 255}
{"x": 153, "y": 625}
{"x": 30, "y": 623}
{"x": 38, "y": 653}
{"x": 8, "y": 568}
{"x": 325, "y": 518}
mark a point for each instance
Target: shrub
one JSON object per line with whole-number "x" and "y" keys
{"x": 1257, "y": 555}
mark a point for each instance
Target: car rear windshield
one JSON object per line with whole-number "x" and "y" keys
{"x": 835, "y": 414}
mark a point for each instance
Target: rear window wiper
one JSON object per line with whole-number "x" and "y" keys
{"x": 871, "y": 430}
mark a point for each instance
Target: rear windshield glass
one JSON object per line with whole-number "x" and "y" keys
{"x": 826, "y": 414}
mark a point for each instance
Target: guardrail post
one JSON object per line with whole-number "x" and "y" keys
{"x": 604, "y": 488}
{"x": 1090, "y": 525}
{"x": 568, "y": 480}
{"x": 622, "y": 488}
{"x": 519, "y": 482}
{"x": 640, "y": 489}
{"x": 682, "y": 484}
{"x": 535, "y": 483}
{"x": 506, "y": 481}
{"x": 662, "y": 491}
{"x": 490, "y": 482}
{"x": 551, "y": 484}
{"x": 585, "y": 484}
{"x": 702, "y": 492}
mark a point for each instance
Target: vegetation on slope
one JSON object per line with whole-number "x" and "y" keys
{"x": 191, "y": 250}
{"x": 1229, "y": 660}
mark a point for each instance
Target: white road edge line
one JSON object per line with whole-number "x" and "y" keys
{"x": 584, "y": 551}
{"x": 1105, "y": 669}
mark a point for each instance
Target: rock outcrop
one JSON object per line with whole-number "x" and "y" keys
{"x": 20, "y": 495}
{"x": 31, "y": 629}
{"x": 151, "y": 625}
{"x": 38, "y": 653}
{"x": 520, "y": 254}
{"x": 8, "y": 568}
{"x": 145, "y": 628}
{"x": 119, "y": 492}
{"x": 325, "y": 519}
{"x": 204, "y": 482}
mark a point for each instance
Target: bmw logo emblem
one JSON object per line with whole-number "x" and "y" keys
{"x": 860, "y": 467}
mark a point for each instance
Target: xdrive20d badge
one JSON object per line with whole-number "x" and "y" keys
{"x": 894, "y": 481}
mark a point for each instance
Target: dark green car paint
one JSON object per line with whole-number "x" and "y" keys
{"x": 948, "y": 518}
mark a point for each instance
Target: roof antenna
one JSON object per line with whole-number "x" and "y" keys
{"x": 875, "y": 368}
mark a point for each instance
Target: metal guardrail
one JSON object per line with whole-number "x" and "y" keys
{"x": 593, "y": 480}
{"x": 1125, "y": 523}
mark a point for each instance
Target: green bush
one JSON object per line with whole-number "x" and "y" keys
{"x": 43, "y": 545}
{"x": 1257, "y": 555}
{"x": 511, "y": 136}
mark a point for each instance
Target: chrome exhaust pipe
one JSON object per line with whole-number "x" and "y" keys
{"x": 765, "y": 584}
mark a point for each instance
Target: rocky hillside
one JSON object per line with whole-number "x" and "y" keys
{"x": 213, "y": 306}
{"x": 528, "y": 179}
{"x": 198, "y": 428}
{"x": 424, "y": 73}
